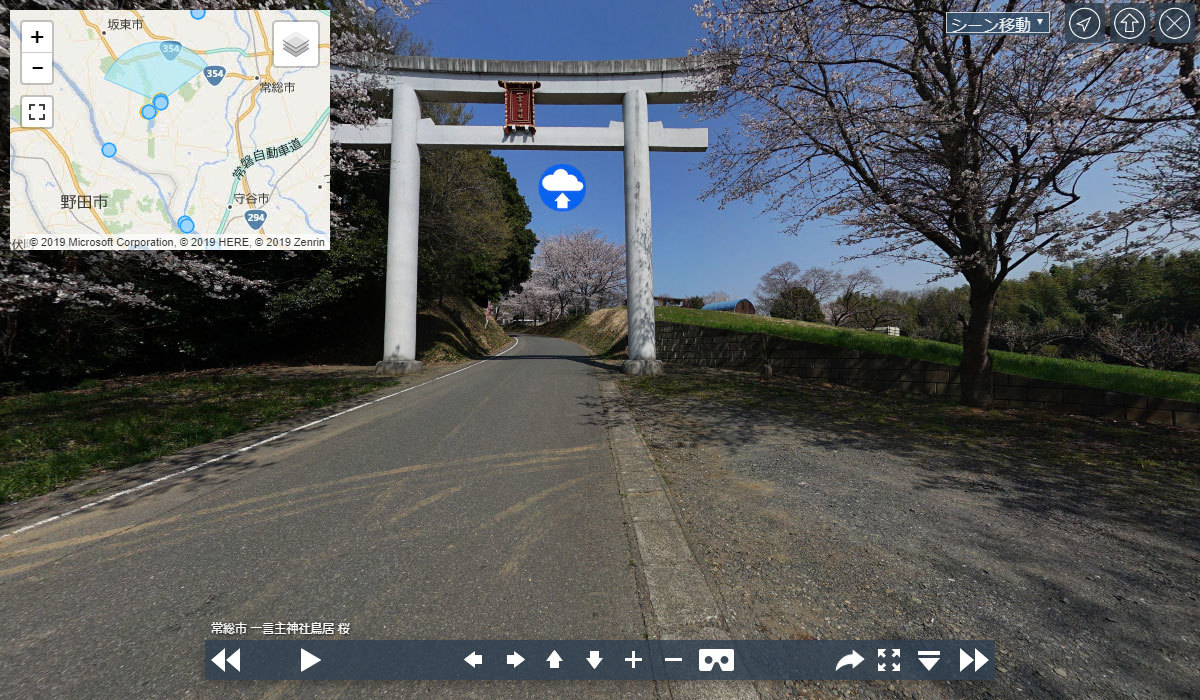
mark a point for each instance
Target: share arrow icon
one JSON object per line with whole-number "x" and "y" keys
{"x": 853, "y": 659}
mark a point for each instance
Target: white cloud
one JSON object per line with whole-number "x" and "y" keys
{"x": 561, "y": 181}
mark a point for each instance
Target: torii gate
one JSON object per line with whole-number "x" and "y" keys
{"x": 632, "y": 83}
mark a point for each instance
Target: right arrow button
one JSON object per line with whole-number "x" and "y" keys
{"x": 965, "y": 660}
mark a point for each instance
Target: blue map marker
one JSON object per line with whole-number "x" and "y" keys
{"x": 256, "y": 218}
{"x": 198, "y": 14}
{"x": 214, "y": 74}
{"x": 149, "y": 112}
{"x": 108, "y": 150}
{"x": 160, "y": 102}
{"x": 186, "y": 224}
{"x": 170, "y": 49}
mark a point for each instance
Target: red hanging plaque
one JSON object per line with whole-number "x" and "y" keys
{"x": 518, "y": 105}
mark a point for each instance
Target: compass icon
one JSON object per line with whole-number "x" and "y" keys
{"x": 1085, "y": 23}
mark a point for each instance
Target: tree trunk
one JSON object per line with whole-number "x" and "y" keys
{"x": 975, "y": 370}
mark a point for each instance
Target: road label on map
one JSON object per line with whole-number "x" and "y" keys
{"x": 180, "y": 130}
{"x": 256, "y": 218}
{"x": 170, "y": 49}
{"x": 214, "y": 74}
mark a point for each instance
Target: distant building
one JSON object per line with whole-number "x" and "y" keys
{"x": 670, "y": 301}
{"x": 887, "y": 330}
{"x": 739, "y": 306}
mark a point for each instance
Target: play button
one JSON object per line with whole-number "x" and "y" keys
{"x": 307, "y": 660}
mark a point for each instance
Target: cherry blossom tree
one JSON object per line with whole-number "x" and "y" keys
{"x": 967, "y": 152}
{"x": 582, "y": 267}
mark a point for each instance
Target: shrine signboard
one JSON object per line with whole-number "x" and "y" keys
{"x": 518, "y": 105}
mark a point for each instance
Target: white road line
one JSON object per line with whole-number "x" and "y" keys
{"x": 247, "y": 448}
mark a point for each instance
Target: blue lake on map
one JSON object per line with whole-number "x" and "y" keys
{"x": 147, "y": 70}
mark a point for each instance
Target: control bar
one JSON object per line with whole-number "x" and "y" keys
{"x": 493, "y": 659}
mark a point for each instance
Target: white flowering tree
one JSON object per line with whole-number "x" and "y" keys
{"x": 581, "y": 267}
{"x": 963, "y": 151}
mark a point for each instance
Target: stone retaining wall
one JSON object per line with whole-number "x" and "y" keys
{"x": 713, "y": 347}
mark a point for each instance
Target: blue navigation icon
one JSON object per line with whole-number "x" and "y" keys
{"x": 562, "y": 187}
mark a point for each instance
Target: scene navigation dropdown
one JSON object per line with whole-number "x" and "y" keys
{"x": 307, "y": 660}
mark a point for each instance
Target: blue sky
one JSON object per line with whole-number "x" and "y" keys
{"x": 697, "y": 247}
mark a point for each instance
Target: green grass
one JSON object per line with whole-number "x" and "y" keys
{"x": 1182, "y": 386}
{"x": 51, "y": 438}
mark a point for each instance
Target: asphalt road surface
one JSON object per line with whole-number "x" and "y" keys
{"x": 481, "y": 505}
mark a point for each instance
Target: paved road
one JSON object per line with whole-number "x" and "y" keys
{"x": 481, "y": 505}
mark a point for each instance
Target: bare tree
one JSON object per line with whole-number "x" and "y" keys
{"x": 963, "y": 151}
{"x": 1028, "y": 338}
{"x": 822, "y": 282}
{"x": 775, "y": 282}
{"x": 853, "y": 292}
{"x": 1157, "y": 347}
{"x": 715, "y": 296}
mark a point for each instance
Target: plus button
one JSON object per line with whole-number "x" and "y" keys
{"x": 37, "y": 36}
{"x": 633, "y": 659}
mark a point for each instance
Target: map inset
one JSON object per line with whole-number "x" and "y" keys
{"x": 169, "y": 129}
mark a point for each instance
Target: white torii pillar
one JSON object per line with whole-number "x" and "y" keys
{"x": 404, "y": 191}
{"x": 633, "y": 84}
{"x": 639, "y": 265}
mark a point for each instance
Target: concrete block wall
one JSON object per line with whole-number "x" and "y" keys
{"x": 713, "y": 347}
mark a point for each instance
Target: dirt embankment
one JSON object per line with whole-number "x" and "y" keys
{"x": 453, "y": 331}
{"x": 604, "y": 332}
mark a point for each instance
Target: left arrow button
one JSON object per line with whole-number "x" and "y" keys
{"x": 474, "y": 658}
{"x": 308, "y": 660}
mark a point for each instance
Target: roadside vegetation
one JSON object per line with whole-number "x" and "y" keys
{"x": 453, "y": 331}
{"x": 50, "y": 438}
{"x": 1183, "y": 386}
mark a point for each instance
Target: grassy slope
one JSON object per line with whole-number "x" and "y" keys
{"x": 453, "y": 331}
{"x": 603, "y": 332}
{"x": 1170, "y": 385}
{"x": 602, "y": 329}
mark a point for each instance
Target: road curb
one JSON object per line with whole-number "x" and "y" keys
{"x": 681, "y": 601}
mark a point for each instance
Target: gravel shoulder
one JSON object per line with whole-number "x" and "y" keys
{"x": 827, "y": 512}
